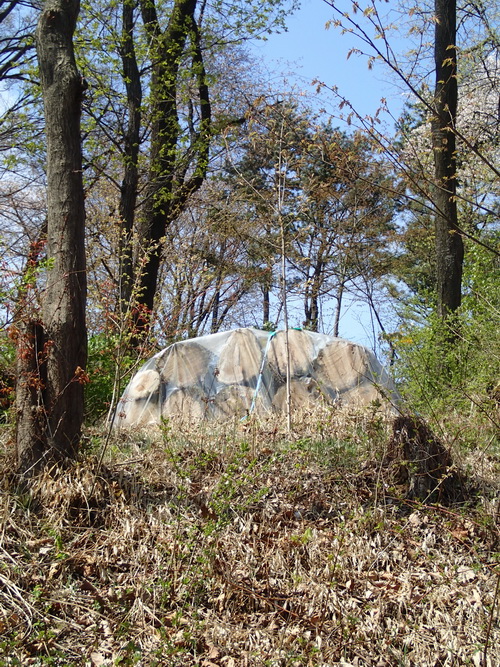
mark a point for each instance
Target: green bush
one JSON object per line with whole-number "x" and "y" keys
{"x": 108, "y": 363}
{"x": 7, "y": 376}
{"x": 448, "y": 371}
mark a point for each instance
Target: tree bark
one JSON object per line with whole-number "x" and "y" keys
{"x": 449, "y": 243}
{"x": 172, "y": 179}
{"x": 311, "y": 296}
{"x": 51, "y": 416}
{"x": 338, "y": 309}
{"x": 130, "y": 183}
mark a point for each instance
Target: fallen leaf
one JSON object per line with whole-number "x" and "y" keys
{"x": 213, "y": 653}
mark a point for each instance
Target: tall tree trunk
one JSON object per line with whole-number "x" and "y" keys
{"x": 449, "y": 243}
{"x": 50, "y": 419}
{"x": 266, "y": 305}
{"x": 172, "y": 179}
{"x": 311, "y": 297}
{"x": 338, "y": 309}
{"x": 129, "y": 186}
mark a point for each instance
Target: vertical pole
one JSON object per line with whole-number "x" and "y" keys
{"x": 280, "y": 195}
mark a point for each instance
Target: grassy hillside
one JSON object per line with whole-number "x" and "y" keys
{"x": 245, "y": 546}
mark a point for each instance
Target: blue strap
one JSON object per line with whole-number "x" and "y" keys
{"x": 261, "y": 371}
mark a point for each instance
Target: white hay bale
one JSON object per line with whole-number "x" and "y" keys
{"x": 184, "y": 364}
{"x": 342, "y": 367}
{"x": 139, "y": 412}
{"x": 354, "y": 374}
{"x": 184, "y": 403}
{"x": 232, "y": 401}
{"x": 303, "y": 394}
{"x": 300, "y": 351}
{"x": 240, "y": 358}
{"x": 143, "y": 384}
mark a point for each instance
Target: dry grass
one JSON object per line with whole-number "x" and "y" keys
{"x": 241, "y": 546}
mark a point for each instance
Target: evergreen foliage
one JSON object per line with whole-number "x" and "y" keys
{"x": 455, "y": 384}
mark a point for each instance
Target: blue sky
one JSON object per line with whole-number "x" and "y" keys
{"x": 309, "y": 51}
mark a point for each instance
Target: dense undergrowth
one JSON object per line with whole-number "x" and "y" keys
{"x": 243, "y": 545}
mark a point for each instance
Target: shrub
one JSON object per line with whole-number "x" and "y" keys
{"x": 448, "y": 371}
{"x": 108, "y": 365}
{"x": 7, "y": 376}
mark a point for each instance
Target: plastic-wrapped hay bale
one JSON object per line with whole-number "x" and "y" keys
{"x": 300, "y": 348}
{"x": 140, "y": 412}
{"x": 345, "y": 369}
{"x": 186, "y": 403}
{"x": 240, "y": 358}
{"x": 143, "y": 384}
{"x": 139, "y": 406}
{"x": 217, "y": 376}
{"x": 184, "y": 364}
{"x": 233, "y": 401}
{"x": 363, "y": 394}
{"x": 304, "y": 393}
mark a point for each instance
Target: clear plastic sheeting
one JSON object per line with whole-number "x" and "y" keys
{"x": 236, "y": 373}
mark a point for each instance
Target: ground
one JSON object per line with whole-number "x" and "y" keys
{"x": 244, "y": 545}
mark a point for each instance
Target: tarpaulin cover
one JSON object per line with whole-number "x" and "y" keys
{"x": 236, "y": 373}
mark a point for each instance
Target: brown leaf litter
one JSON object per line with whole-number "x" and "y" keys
{"x": 245, "y": 548}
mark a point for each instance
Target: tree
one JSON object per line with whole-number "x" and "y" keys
{"x": 159, "y": 116}
{"x": 477, "y": 192}
{"x": 336, "y": 208}
{"x": 208, "y": 269}
{"x": 449, "y": 242}
{"x": 344, "y": 222}
{"x": 132, "y": 141}
{"x": 52, "y": 350}
{"x": 263, "y": 178}
{"x": 433, "y": 189}
{"x": 170, "y": 184}
{"x": 186, "y": 300}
